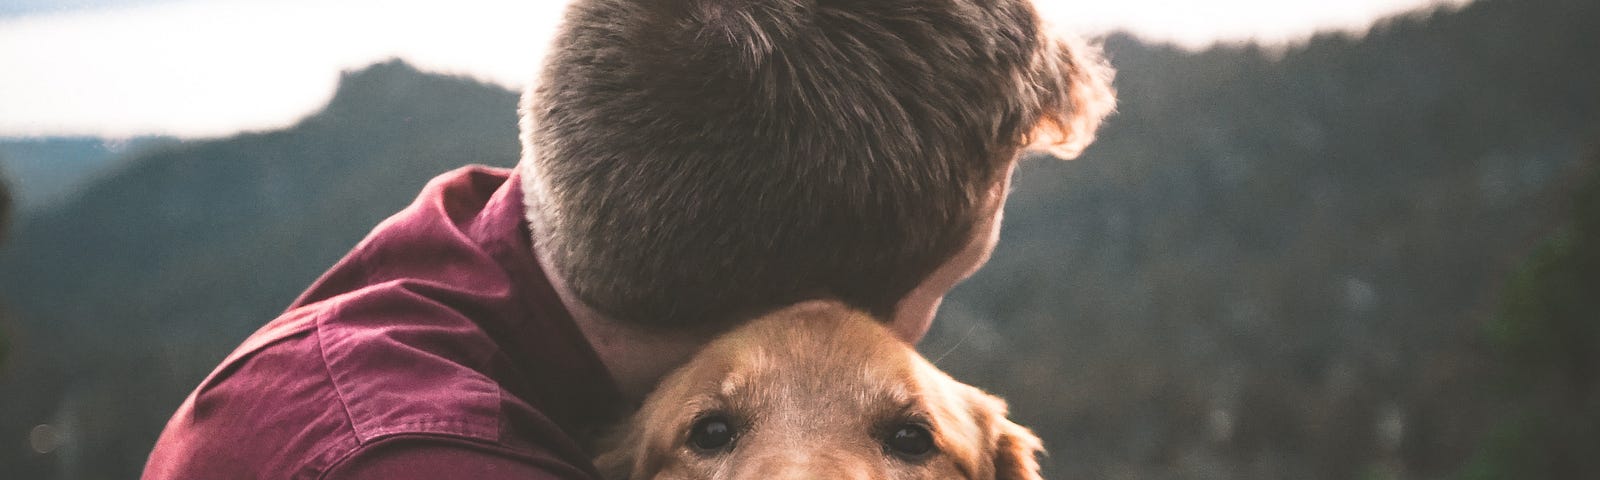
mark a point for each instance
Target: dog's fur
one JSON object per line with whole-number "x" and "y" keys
{"x": 812, "y": 392}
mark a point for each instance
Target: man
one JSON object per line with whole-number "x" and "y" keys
{"x": 687, "y": 164}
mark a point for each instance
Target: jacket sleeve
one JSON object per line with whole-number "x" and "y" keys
{"x": 437, "y": 458}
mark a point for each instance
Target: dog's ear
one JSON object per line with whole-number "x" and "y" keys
{"x": 630, "y": 448}
{"x": 1071, "y": 82}
{"x": 617, "y": 458}
{"x": 1016, "y": 452}
{"x": 1012, "y": 449}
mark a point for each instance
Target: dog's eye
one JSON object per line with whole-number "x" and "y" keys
{"x": 711, "y": 434}
{"x": 910, "y": 441}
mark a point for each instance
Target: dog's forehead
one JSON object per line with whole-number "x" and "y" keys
{"x": 820, "y": 388}
{"x": 785, "y": 358}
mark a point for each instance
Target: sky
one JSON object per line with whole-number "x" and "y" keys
{"x": 195, "y": 69}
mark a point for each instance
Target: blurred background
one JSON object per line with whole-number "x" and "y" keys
{"x": 1321, "y": 240}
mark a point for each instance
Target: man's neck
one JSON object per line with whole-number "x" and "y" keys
{"x": 636, "y": 359}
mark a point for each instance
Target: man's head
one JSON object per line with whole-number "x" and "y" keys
{"x": 691, "y": 162}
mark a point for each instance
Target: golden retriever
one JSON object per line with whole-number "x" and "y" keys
{"x": 817, "y": 392}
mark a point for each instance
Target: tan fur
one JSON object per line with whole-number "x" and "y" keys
{"x": 811, "y": 391}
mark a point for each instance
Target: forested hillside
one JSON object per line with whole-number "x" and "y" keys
{"x": 46, "y": 171}
{"x": 5, "y": 205}
{"x": 127, "y": 296}
{"x": 1274, "y": 264}
{"x": 1545, "y": 334}
{"x": 5, "y": 227}
{"x": 1278, "y": 264}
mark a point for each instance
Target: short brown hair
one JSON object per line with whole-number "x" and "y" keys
{"x": 691, "y": 162}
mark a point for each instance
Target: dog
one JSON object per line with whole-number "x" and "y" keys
{"x": 817, "y": 392}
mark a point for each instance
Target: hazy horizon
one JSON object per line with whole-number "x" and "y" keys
{"x": 123, "y": 68}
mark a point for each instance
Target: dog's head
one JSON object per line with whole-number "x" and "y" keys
{"x": 818, "y": 392}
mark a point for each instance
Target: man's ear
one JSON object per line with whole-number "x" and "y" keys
{"x": 1071, "y": 81}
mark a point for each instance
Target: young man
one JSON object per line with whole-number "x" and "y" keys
{"x": 687, "y": 164}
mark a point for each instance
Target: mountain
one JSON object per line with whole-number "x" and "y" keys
{"x": 5, "y": 227}
{"x": 1274, "y": 263}
{"x": 1545, "y": 331}
{"x": 5, "y": 206}
{"x": 143, "y": 281}
{"x": 45, "y": 171}
{"x": 1278, "y": 264}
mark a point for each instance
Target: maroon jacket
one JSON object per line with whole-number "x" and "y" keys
{"x": 435, "y": 349}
